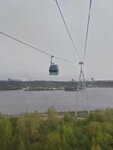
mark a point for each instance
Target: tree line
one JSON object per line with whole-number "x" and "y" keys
{"x": 30, "y": 131}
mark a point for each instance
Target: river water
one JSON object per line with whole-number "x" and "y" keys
{"x": 16, "y": 102}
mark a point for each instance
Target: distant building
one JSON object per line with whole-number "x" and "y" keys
{"x": 9, "y": 79}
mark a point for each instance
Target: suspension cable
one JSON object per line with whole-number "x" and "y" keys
{"x": 87, "y": 30}
{"x": 67, "y": 29}
{"x": 11, "y": 37}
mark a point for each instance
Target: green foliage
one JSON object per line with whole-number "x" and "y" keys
{"x": 70, "y": 119}
{"x": 53, "y": 141}
{"x": 52, "y": 132}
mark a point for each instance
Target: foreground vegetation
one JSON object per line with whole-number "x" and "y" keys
{"x": 32, "y": 132}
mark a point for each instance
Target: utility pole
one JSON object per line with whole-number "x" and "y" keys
{"x": 81, "y": 86}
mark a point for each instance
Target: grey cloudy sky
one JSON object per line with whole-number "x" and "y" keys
{"x": 39, "y": 23}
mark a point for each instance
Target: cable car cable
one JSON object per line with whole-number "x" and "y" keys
{"x": 11, "y": 37}
{"x": 67, "y": 28}
{"x": 87, "y": 30}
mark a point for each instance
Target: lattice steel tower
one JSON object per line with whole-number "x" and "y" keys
{"x": 81, "y": 86}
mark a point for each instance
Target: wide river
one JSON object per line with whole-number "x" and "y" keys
{"x": 16, "y": 102}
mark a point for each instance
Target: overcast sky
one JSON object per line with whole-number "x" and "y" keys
{"x": 38, "y": 22}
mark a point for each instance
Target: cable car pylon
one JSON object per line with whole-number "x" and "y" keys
{"x": 81, "y": 86}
